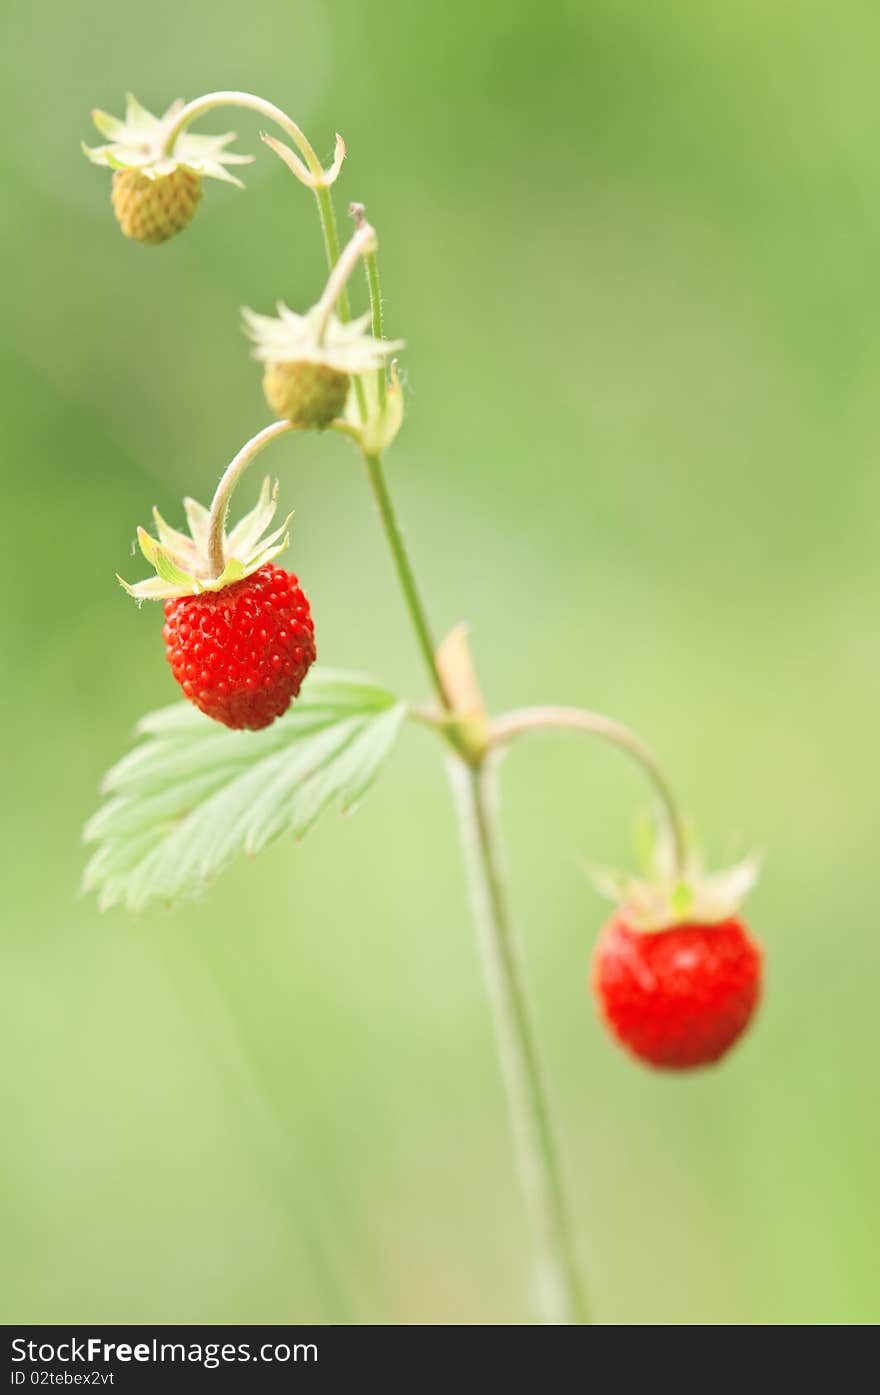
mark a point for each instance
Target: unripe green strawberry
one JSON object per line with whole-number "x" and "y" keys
{"x": 158, "y": 169}
{"x": 309, "y": 361}
{"x": 152, "y": 210}
{"x": 306, "y": 393}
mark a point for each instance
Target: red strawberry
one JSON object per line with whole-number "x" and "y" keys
{"x": 680, "y": 996}
{"x": 241, "y": 653}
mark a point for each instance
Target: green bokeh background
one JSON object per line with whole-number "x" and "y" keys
{"x": 635, "y": 250}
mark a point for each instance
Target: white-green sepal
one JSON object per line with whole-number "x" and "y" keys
{"x": 140, "y": 140}
{"x": 384, "y": 418}
{"x": 666, "y": 894}
{"x": 183, "y": 565}
{"x": 291, "y": 338}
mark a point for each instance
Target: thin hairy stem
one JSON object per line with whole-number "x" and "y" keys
{"x": 229, "y": 479}
{"x": 327, "y": 214}
{"x": 376, "y": 475}
{"x": 529, "y": 719}
{"x": 559, "y": 1297}
{"x": 405, "y": 574}
{"x": 371, "y": 265}
{"x": 361, "y": 242}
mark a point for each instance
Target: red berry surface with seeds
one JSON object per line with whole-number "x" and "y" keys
{"x": 677, "y": 997}
{"x": 241, "y": 654}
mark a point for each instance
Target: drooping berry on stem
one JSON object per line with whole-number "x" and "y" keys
{"x": 681, "y": 996}
{"x": 241, "y": 654}
{"x": 157, "y": 179}
{"x": 152, "y": 210}
{"x": 238, "y": 632}
{"x": 309, "y": 360}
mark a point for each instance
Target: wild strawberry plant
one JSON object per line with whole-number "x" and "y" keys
{"x": 265, "y": 742}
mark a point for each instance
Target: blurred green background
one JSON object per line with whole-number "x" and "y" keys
{"x": 634, "y": 250}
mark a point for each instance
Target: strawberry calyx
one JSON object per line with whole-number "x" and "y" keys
{"x": 317, "y": 337}
{"x": 182, "y": 563}
{"x": 668, "y": 893}
{"x": 138, "y": 142}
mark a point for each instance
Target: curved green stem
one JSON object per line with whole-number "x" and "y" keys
{"x": 514, "y": 724}
{"x": 228, "y": 480}
{"x": 211, "y": 100}
{"x": 247, "y": 100}
{"x": 559, "y": 1296}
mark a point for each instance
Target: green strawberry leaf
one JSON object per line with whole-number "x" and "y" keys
{"x": 192, "y": 795}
